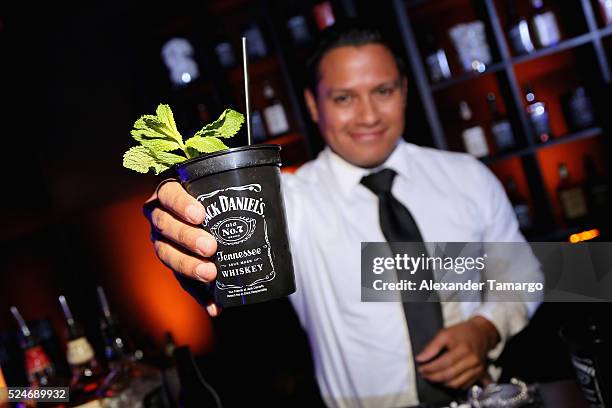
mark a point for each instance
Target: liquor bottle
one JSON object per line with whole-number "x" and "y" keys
{"x": 538, "y": 117}
{"x": 257, "y": 126}
{"x": 225, "y": 53}
{"x": 500, "y": 127}
{"x": 597, "y": 191}
{"x": 323, "y": 14}
{"x": 39, "y": 369}
{"x": 571, "y": 196}
{"x": 605, "y": 11}
{"x": 178, "y": 55}
{"x": 473, "y": 135}
{"x": 115, "y": 347}
{"x": 274, "y": 113}
{"x": 578, "y": 109}
{"x": 436, "y": 61}
{"x": 124, "y": 363}
{"x": 518, "y": 31}
{"x": 195, "y": 391}
{"x": 298, "y": 28}
{"x": 87, "y": 375}
{"x": 544, "y": 24}
{"x": 256, "y": 45}
{"x": 520, "y": 206}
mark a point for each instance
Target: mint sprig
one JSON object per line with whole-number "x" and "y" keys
{"x": 161, "y": 144}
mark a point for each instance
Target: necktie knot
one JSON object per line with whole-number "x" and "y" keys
{"x": 379, "y": 182}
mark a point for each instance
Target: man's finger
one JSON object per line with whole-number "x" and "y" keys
{"x": 173, "y": 196}
{"x": 434, "y": 347}
{"x": 187, "y": 265}
{"x": 213, "y": 309}
{"x": 189, "y": 237}
{"x": 446, "y": 360}
{"x": 466, "y": 379}
{"x": 453, "y": 369}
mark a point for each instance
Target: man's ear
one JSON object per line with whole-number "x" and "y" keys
{"x": 311, "y": 102}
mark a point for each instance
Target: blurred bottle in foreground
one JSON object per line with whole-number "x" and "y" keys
{"x": 39, "y": 369}
{"x": 87, "y": 374}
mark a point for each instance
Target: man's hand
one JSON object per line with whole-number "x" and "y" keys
{"x": 179, "y": 242}
{"x": 464, "y": 361}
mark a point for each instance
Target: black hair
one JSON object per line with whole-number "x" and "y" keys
{"x": 350, "y": 32}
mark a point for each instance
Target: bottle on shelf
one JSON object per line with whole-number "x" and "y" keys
{"x": 520, "y": 206}
{"x": 274, "y": 113}
{"x": 500, "y": 126}
{"x": 40, "y": 370}
{"x": 257, "y": 127}
{"x": 544, "y": 24}
{"x": 538, "y": 116}
{"x": 578, "y": 109}
{"x": 225, "y": 53}
{"x": 473, "y": 135}
{"x": 605, "y": 11}
{"x": 597, "y": 191}
{"x": 298, "y": 28}
{"x": 571, "y": 197}
{"x": 323, "y": 14}
{"x": 256, "y": 45}
{"x": 518, "y": 31}
{"x": 87, "y": 375}
{"x": 437, "y": 63}
{"x": 178, "y": 55}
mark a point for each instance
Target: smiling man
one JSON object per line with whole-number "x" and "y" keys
{"x": 365, "y": 354}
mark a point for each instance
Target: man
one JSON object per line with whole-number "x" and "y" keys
{"x": 362, "y": 351}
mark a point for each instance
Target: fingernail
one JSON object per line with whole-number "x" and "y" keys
{"x": 195, "y": 213}
{"x": 209, "y": 309}
{"x": 203, "y": 272}
{"x": 202, "y": 246}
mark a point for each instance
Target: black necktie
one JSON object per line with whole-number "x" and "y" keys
{"x": 424, "y": 319}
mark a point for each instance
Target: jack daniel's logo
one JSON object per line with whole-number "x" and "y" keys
{"x": 224, "y": 203}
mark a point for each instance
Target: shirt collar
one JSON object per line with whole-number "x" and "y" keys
{"x": 349, "y": 176}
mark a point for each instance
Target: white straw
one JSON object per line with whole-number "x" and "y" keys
{"x": 22, "y": 324}
{"x": 246, "y": 89}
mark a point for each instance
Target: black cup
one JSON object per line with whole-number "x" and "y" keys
{"x": 241, "y": 193}
{"x": 589, "y": 344}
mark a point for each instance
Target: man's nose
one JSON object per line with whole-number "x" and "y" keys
{"x": 368, "y": 112}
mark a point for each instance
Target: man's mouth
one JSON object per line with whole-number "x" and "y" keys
{"x": 367, "y": 135}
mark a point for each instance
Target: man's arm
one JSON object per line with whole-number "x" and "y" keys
{"x": 468, "y": 345}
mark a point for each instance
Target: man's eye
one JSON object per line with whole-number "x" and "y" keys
{"x": 341, "y": 99}
{"x": 386, "y": 91}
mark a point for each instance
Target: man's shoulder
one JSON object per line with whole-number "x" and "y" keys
{"x": 307, "y": 175}
{"x": 450, "y": 163}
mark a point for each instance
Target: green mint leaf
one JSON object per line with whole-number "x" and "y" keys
{"x": 206, "y": 144}
{"x": 164, "y": 114}
{"x": 155, "y": 144}
{"x": 226, "y": 126}
{"x": 140, "y": 159}
{"x": 168, "y": 159}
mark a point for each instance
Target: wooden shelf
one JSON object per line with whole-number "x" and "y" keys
{"x": 489, "y": 160}
{"x": 572, "y": 137}
{"x": 562, "y": 46}
{"x": 467, "y": 76}
{"x": 284, "y": 140}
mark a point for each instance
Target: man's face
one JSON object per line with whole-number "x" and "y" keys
{"x": 360, "y": 103}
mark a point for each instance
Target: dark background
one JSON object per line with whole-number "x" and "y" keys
{"x": 73, "y": 81}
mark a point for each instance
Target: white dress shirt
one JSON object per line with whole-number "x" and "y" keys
{"x": 361, "y": 350}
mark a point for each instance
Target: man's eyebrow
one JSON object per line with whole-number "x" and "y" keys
{"x": 395, "y": 83}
